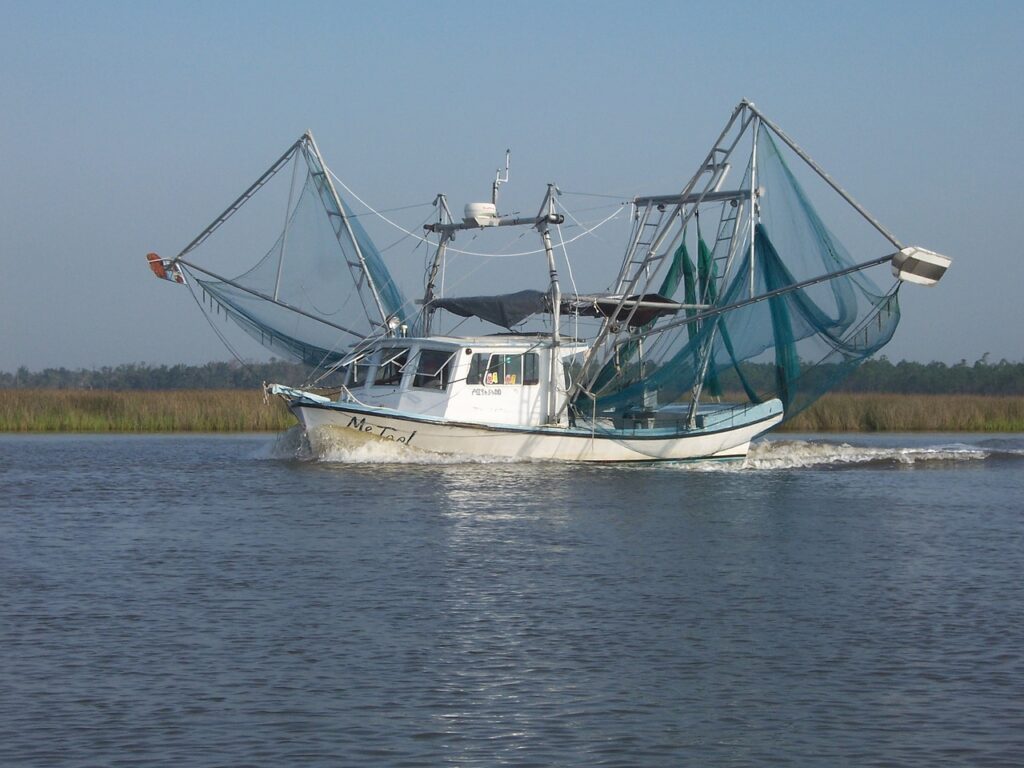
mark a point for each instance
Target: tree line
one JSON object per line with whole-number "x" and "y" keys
{"x": 963, "y": 378}
{"x": 882, "y": 375}
{"x": 231, "y": 375}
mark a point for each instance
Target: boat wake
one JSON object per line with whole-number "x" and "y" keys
{"x": 786, "y": 454}
{"x": 830, "y": 454}
{"x": 766, "y": 455}
{"x": 293, "y": 445}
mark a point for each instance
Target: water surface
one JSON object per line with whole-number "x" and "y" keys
{"x": 201, "y": 601}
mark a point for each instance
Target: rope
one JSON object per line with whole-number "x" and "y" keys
{"x": 400, "y": 228}
{"x": 595, "y": 194}
{"x": 404, "y": 237}
{"x": 391, "y": 210}
{"x": 572, "y": 279}
{"x": 220, "y": 334}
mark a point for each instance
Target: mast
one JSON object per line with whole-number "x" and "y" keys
{"x": 481, "y": 216}
{"x": 684, "y": 207}
{"x": 546, "y": 215}
{"x": 499, "y": 179}
{"x": 709, "y": 344}
{"x": 339, "y": 212}
{"x": 444, "y": 217}
{"x": 652, "y": 239}
{"x": 753, "y": 196}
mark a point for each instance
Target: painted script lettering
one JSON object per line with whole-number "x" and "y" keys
{"x": 381, "y": 431}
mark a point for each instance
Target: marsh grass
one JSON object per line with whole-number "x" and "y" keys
{"x": 213, "y": 410}
{"x": 839, "y": 412}
{"x": 220, "y": 410}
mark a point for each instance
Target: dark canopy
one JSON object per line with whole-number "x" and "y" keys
{"x": 511, "y": 309}
{"x": 506, "y": 310}
{"x": 652, "y": 305}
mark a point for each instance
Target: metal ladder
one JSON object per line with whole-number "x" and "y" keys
{"x": 640, "y": 258}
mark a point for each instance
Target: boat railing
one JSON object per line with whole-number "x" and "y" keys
{"x": 675, "y": 418}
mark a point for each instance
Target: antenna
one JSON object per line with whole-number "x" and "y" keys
{"x": 498, "y": 180}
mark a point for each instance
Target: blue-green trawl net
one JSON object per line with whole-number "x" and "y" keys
{"x": 308, "y": 297}
{"x": 794, "y": 346}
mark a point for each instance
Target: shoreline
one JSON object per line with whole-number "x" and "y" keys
{"x": 225, "y": 411}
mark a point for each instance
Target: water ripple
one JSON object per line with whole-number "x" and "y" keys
{"x": 196, "y": 601}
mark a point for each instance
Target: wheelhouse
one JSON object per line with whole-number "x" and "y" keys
{"x": 500, "y": 380}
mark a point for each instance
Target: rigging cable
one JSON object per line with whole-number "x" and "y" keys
{"x": 216, "y": 330}
{"x": 399, "y": 227}
{"x": 572, "y": 279}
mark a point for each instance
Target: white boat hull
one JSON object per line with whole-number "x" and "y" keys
{"x": 330, "y": 424}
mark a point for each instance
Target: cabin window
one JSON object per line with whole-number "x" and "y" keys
{"x": 391, "y": 367}
{"x": 357, "y": 373}
{"x": 530, "y": 369}
{"x": 476, "y": 369}
{"x": 433, "y": 370}
{"x": 503, "y": 369}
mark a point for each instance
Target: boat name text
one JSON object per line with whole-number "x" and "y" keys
{"x": 384, "y": 433}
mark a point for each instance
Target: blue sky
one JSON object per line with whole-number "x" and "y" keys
{"x": 125, "y": 127}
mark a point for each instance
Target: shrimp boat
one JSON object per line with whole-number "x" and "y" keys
{"x": 672, "y": 356}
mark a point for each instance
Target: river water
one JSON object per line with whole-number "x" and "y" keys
{"x": 215, "y": 601}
